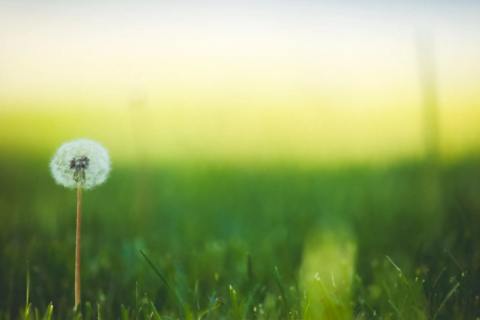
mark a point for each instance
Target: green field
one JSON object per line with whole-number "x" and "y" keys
{"x": 207, "y": 227}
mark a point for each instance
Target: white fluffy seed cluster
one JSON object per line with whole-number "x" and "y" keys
{"x": 81, "y": 161}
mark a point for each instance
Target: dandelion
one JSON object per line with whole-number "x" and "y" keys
{"x": 80, "y": 164}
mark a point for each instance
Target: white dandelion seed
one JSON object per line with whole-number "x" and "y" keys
{"x": 81, "y": 161}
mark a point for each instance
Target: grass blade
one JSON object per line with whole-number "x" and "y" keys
{"x": 88, "y": 311}
{"x": 136, "y": 300}
{"x": 195, "y": 295}
{"x": 445, "y": 300}
{"x": 125, "y": 312}
{"x": 249, "y": 269}
{"x": 282, "y": 292}
{"x": 188, "y": 313}
{"x": 218, "y": 303}
{"x": 163, "y": 279}
{"x": 99, "y": 312}
{"x": 399, "y": 270}
{"x": 250, "y": 298}
{"x": 78, "y": 312}
{"x": 236, "y": 309}
{"x": 331, "y": 310}
{"x": 454, "y": 260}
{"x": 463, "y": 271}
{"x": 48, "y": 313}
{"x": 27, "y": 306}
{"x": 155, "y": 314}
{"x": 396, "y": 309}
{"x": 432, "y": 293}
{"x": 307, "y": 306}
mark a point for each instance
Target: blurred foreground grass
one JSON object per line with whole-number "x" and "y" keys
{"x": 295, "y": 243}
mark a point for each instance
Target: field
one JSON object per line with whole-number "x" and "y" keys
{"x": 300, "y": 160}
{"x": 382, "y": 242}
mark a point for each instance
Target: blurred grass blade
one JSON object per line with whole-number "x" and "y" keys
{"x": 236, "y": 309}
{"x": 155, "y": 314}
{"x": 445, "y": 300}
{"x": 26, "y": 315}
{"x": 27, "y": 306}
{"x": 212, "y": 302}
{"x": 454, "y": 260}
{"x": 48, "y": 313}
{"x": 233, "y": 298}
{"x": 429, "y": 305}
{"x": 125, "y": 312}
{"x": 242, "y": 308}
{"x": 331, "y": 308}
{"x": 396, "y": 309}
{"x": 195, "y": 295}
{"x": 462, "y": 270}
{"x": 282, "y": 291}
{"x": 99, "y": 312}
{"x": 466, "y": 304}
{"x": 250, "y": 298}
{"x": 307, "y": 305}
{"x": 88, "y": 311}
{"x": 218, "y": 302}
{"x": 136, "y": 300}
{"x": 387, "y": 290}
{"x": 188, "y": 312}
{"x": 249, "y": 268}
{"x": 163, "y": 279}
{"x": 400, "y": 271}
{"x": 145, "y": 313}
{"x": 78, "y": 312}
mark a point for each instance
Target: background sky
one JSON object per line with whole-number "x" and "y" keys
{"x": 263, "y": 68}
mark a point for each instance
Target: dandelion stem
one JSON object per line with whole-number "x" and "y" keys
{"x": 77, "y": 246}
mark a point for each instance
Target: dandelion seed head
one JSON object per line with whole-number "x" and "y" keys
{"x": 81, "y": 161}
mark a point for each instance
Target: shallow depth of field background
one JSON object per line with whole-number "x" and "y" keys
{"x": 309, "y": 136}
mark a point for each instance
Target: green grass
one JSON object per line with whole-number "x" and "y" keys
{"x": 231, "y": 243}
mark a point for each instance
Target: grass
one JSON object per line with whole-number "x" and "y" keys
{"x": 244, "y": 243}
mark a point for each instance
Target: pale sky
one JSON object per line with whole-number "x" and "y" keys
{"x": 348, "y": 52}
